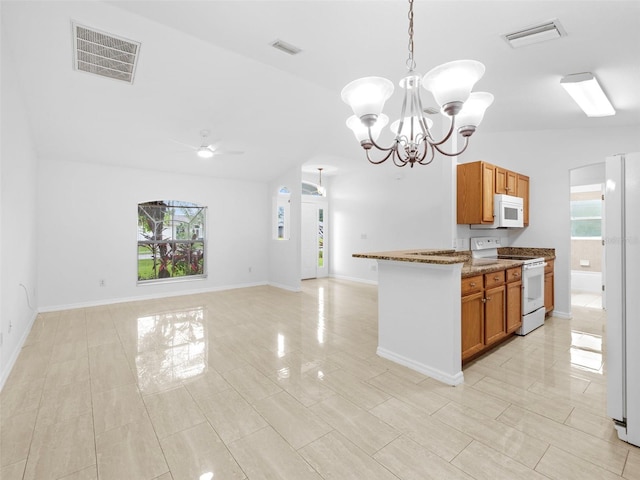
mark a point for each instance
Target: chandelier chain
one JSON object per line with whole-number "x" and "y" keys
{"x": 411, "y": 64}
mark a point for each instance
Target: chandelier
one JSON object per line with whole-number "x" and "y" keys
{"x": 450, "y": 84}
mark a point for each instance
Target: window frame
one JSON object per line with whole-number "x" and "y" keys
{"x": 182, "y": 248}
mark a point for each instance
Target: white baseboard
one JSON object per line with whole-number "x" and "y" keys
{"x": 6, "y": 369}
{"x": 439, "y": 375}
{"x": 558, "y": 314}
{"x": 354, "y": 279}
{"x": 152, "y": 296}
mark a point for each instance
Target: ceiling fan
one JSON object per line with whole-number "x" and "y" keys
{"x": 207, "y": 149}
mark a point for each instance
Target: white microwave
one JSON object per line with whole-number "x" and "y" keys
{"x": 508, "y": 212}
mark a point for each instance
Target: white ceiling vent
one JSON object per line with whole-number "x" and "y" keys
{"x": 286, "y": 47}
{"x": 104, "y": 54}
{"x": 535, "y": 34}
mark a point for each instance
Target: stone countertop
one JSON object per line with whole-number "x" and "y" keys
{"x": 546, "y": 253}
{"x": 470, "y": 267}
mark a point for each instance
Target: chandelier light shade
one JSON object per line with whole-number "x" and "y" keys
{"x": 362, "y": 133}
{"x": 366, "y": 96}
{"x": 473, "y": 112}
{"x": 450, "y": 84}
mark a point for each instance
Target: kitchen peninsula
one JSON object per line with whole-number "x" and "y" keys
{"x": 419, "y": 307}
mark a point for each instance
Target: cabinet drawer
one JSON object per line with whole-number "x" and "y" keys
{"x": 493, "y": 279}
{"x": 514, "y": 274}
{"x": 548, "y": 268}
{"x": 471, "y": 285}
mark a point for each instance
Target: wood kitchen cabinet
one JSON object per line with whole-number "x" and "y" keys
{"x": 548, "y": 287}
{"x": 477, "y": 182}
{"x": 514, "y": 299}
{"x": 472, "y": 330}
{"x": 494, "y": 313}
{"x": 475, "y": 185}
{"x": 522, "y": 191}
{"x": 482, "y": 312}
{"x": 506, "y": 181}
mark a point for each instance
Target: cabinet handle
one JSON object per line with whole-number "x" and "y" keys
{"x": 516, "y": 274}
{"x": 472, "y": 284}
{"x": 484, "y": 300}
{"x": 496, "y": 278}
{"x": 488, "y": 298}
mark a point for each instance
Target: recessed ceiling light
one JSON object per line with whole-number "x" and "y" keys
{"x": 535, "y": 34}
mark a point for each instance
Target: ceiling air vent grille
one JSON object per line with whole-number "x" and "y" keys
{"x": 285, "y": 47}
{"x": 104, "y": 54}
{"x": 537, "y": 33}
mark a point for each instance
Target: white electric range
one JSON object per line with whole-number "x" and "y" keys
{"x": 533, "y": 311}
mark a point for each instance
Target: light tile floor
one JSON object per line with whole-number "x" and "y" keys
{"x": 586, "y": 299}
{"x": 262, "y": 383}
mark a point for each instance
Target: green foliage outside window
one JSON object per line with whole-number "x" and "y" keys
{"x": 171, "y": 240}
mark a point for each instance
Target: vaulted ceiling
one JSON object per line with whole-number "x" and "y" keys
{"x": 209, "y": 65}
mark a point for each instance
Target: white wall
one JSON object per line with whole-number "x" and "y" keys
{"x": 18, "y": 229}
{"x": 284, "y": 255}
{"x": 547, "y": 157}
{"x": 588, "y": 175}
{"x": 383, "y": 207}
{"x": 88, "y": 222}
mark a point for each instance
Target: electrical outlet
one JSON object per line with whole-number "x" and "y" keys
{"x": 250, "y": 269}
{"x": 101, "y": 282}
{"x": 1, "y": 339}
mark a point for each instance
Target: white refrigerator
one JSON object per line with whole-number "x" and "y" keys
{"x": 622, "y": 273}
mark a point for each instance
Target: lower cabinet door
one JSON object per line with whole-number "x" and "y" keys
{"x": 514, "y": 306}
{"x": 472, "y": 328}
{"x": 494, "y": 315}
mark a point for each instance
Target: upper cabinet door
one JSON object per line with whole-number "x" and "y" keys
{"x": 488, "y": 187}
{"x": 506, "y": 181}
{"x": 522, "y": 191}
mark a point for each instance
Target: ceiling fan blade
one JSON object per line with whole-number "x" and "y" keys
{"x": 228, "y": 152}
{"x": 191, "y": 147}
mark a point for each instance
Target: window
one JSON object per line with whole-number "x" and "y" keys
{"x": 283, "y": 208}
{"x": 586, "y": 212}
{"x": 171, "y": 240}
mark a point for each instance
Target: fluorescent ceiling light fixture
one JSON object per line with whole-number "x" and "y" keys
{"x": 587, "y": 93}
{"x": 535, "y": 34}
